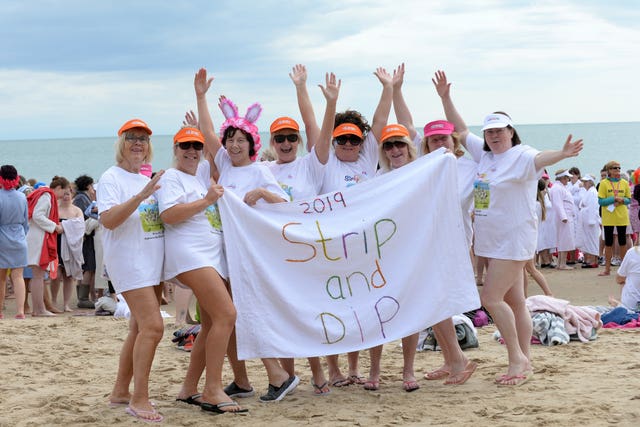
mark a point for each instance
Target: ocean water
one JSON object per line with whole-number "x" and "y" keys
{"x": 44, "y": 158}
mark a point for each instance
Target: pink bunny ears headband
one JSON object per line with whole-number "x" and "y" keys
{"x": 246, "y": 123}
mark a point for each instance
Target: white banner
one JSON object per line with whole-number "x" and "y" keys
{"x": 349, "y": 270}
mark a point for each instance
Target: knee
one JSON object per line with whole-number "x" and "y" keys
{"x": 154, "y": 330}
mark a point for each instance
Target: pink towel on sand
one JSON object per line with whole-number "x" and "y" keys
{"x": 577, "y": 320}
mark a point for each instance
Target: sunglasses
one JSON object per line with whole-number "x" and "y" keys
{"x": 292, "y": 137}
{"x": 387, "y": 146}
{"x": 615, "y": 167}
{"x": 353, "y": 140}
{"x": 132, "y": 138}
{"x": 186, "y": 145}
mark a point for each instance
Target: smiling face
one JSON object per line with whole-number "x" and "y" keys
{"x": 238, "y": 147}
{"x": 499, "y": 139}
{"x": 397, "y": 152}
{"x": 187, "y": 157}
{"x": 136, "y": 147}
{"x": 285, "y": 144}
{"x": 347, "y": 147}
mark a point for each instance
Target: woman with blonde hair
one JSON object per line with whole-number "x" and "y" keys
{"x": 133, "y": 244}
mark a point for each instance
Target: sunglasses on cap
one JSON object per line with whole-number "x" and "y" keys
{"x": 386, "y": 146}
{"x": 188, "y": 144}
{"x": 292, "y": 137}
{"x": 351, "y": 139}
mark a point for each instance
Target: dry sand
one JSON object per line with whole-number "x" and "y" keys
{"x": 59, "y": 371}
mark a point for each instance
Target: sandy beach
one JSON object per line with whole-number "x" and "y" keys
{"x": 59, "y": 371}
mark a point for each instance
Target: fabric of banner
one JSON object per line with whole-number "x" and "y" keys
{"x": 352, "y": 269}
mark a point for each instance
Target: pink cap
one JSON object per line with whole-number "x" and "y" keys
{"x": 438, "y": 127}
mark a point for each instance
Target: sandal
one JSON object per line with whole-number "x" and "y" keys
{"x": 357, "y": 379}
{"x": 320, "y": 390}
{"x": 438, "y": 374}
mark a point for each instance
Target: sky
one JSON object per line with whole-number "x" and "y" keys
{"x": 81, "y": 68}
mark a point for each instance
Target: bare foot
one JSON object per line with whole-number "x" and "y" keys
{"x": 43, "y": 314}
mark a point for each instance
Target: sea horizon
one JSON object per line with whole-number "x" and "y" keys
{"x": 42, "y": 159}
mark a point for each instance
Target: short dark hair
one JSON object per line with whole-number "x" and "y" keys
{"x": 355, "y": 118}
{"x": 83, "y": 182}
{"x": 8, "y": 172}
{"x": 230, "y": 131}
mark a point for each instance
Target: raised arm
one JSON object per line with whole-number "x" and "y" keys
{"x": 381, "y": 115}
{"x": 202, "y": 84}
{"x": 330, "y": 92}
{"x": 399, "y": 105}
{"x": 549, "y": 157}
{"x": 443, "y": 87}
{"x": 298, "y": 75}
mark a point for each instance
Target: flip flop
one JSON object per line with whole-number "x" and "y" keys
{"x": 514, "y": 380}
{"x": 142, "y": 415}
{"x": 191, "y": 400}
{"x": 371, "y": 385}
{"x": 462, "y": 377}
{"x": 438, "y": 374}
{"x": 320, "y": 390}
{"x": 357, "y": 379}
{"x": 217, "y": 409}
{"x": 341, "y": 382}
{"x": 410, "y": 385}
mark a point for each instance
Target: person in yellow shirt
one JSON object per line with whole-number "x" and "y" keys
{"x": 614, "y": 196}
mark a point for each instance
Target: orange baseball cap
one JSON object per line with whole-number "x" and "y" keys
{"x": 134, "y": 123}
{"x": 284, "y": 123}
{"x": 187, "y": 134}
{"x": 347, "y": 129}
{"x": 390, "y": 131}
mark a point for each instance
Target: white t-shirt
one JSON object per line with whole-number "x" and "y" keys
{"x": 301, "y": 178}
{"x": 630, "y": 268}
{"x": 506, "y": 223}
{"x": 197, "y": 241}
{"x": 133, "y": 252}
{"x": 339, "y": 175}
{"x": 242, "y": 179}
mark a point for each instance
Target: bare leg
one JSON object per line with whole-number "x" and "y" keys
{"x": 530, "y": 268}
{"x": 145, "y": 307}
{"x": 55, "y": 286}
{"x": 218, "y": 317}
{"x": 336, "y": 377}
{"x": 375, "y": 354}
{"x": 68, "y": 284}
{"x": 409, "y": 345}
{"x": 288, "y": 364}
{"x": 37, "y": 293}
{"x": 319, "y": 380}
{"x": 502, "y": 276}
{"x": 454, "y": 358}
{"x": 183, "y": 300}
{"x": 18, "y": 290}
{"x": 608, "y": 253}
{"x": 354, "y": 372}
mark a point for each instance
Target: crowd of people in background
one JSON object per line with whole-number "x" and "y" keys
{"x": 131, "y": 235}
